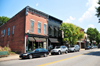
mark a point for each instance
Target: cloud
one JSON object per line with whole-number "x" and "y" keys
{"x": 90, "y": 25}
{"x": 37, "y": 4}
{"x": 70, "y": 19}
{"x": 91, "y": 10}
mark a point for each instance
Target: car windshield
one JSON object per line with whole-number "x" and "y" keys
{"x": 71, "y": 46}
{"x": 57, "y": 47}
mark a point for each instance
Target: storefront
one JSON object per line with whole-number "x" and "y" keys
{"x": 34, "y": 42}
{"x": 53, "y": 42}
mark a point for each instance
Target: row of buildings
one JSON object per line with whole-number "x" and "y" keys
{"x": 31, "y": 28}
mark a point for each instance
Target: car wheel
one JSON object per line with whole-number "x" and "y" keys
{"x": 45, "y": 55}
{"x": 66, "y": 51}
{"x": 59, "y": 53}
{"x": 74, "y": 50}
{"x": 52, "y": 54}
{"x": 30, "y": 57}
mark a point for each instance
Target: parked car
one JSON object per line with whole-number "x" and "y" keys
{"x": 74, "y": 48}
{"x": 36, "y": 53}
{"x": 94, "y": 46}
{"x": 88, "y": 47}
{"x": 98, "y": 46}
{"x": 59, "y": 49}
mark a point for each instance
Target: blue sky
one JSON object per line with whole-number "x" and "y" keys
{"x": 79, "y": 12}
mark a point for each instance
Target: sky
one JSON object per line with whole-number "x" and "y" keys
{"x": 79, "y": 12}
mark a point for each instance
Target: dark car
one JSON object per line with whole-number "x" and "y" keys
{"x": 36, "y": 53}
{"x": 88, "y": 47}
{"x": 98, "y": 46}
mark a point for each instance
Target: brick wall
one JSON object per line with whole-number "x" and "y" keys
{"x": 16, "y": 41}
{"x": 36, "y": 18}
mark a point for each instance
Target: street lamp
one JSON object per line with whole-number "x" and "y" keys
{"x": 27, "y": 41}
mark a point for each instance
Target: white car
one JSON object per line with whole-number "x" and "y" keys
{"x": 59, "y": 50}
{"x": 74, "y": 48}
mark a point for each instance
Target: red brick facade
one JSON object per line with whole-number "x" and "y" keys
{"x": 36, "y": 19}
{"x": 14, "y": 41}
{"x": 21, "y": 21}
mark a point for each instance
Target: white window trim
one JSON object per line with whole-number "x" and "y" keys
{"x": 46, "y": 28}
{"x": 30, "y": 25}
{"x": 32, "y": 20}
{"x": 37, "y": 29}
{"x": 39, "y": 22}
{"x": 45, "y": 23}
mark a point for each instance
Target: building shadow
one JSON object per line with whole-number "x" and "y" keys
{"x": 96, "y": 53}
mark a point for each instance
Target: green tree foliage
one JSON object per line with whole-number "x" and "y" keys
{"x": 98, "y": 9}
{"x": 3, "y": 19}
{"x": 93, "y": 34}
{"x": 71, "y": 33}
{"x": 98, "y": 38}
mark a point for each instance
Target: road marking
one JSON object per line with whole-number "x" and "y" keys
{"x": 59, "y": 60}
{"x": 64, "y": 59}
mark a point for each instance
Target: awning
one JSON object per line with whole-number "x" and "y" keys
{"x": 40, "y": 39}
{"x": 31, "y": 39}
{"x": 54, "y": 40}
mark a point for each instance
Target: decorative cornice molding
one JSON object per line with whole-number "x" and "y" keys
{"x": 28, "y": 8}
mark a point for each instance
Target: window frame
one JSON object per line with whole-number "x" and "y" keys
{"x": 8, "y": 31}
{"x": 13, "y": 29}
{"x": 39, "y": 28}
{"x": 32, "y": 28}
{"x": 45, "y": 30}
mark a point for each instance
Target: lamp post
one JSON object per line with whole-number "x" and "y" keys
{"x": 27, "y": 41}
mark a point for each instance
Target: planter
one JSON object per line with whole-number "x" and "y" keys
{"x": 4, "y": 53}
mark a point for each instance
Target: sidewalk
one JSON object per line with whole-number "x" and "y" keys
{"x": 10, "y": 57}
{"x": 13, "y": 57}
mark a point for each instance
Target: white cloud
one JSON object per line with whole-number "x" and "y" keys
{"x": 91, "y": 10}
{"x": 70, "y": 19}
{"x": 37, "y": 4}
{"x": 90, "y": 25}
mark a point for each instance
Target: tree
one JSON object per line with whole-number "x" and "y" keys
{"x": 98, "y": 38}
{"x": 98, "y": 10}
{"x": 93, "y": 33}
{"x": 3, "y": 19}
{"x": 71, "y": 33}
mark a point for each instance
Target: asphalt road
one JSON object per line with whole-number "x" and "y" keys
{"x": 82, "y": 58}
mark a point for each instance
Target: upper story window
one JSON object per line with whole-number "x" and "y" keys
{"x": 44, "y": 28}
{"x": 39, "y": 27}
{"x": 59, "y": 33}
{"x": 8, "y": 31}
{"x": 55, "y": 32}
{"x": 13, "y": 29}
{"x": 3, "y": 32}
{"x": 50, "y": 30}
{"x": 32, "y": 25}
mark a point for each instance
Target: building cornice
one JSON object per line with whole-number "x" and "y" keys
{"x": 28, "y": 8}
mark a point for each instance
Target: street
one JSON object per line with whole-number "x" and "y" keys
{"x": 83, "y": 58}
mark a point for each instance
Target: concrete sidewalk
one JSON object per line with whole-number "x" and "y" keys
{"x": 10, "y": 57}
{"x": 13, "y": 57}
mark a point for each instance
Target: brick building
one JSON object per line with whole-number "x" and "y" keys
{"x": 26, "y": 30}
